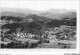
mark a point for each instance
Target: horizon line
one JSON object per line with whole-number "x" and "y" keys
{"x": 39, "y": 10}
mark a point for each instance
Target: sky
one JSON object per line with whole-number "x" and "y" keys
{"x": 39, "y": 4}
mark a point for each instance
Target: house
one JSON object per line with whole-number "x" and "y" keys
{"x": 30, "y": 35}
{"x": 20, "y": 34}
{"x": 51, "y": 36}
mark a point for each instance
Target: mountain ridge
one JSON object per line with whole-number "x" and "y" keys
{"x": 51, "y": 13}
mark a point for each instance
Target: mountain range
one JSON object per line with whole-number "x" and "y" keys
{"x": 51, "y": 13}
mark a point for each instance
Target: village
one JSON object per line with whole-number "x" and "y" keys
{"x": 55, "y": 35}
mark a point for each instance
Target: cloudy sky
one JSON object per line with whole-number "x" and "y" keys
{"x": 39, "y": 4}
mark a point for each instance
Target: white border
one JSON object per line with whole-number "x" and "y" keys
{"x": 48, "y": 51}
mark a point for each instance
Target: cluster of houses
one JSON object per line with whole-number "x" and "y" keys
{"x": 62, "y": 32}
{"x": 52, "y": 33}
{"x": 25, "y": 35}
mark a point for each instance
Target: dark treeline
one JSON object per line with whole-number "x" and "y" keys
{"x": 57, "y": 23}
{"x": 19, "y": 45}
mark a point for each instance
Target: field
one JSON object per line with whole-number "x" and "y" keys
{"x": 63, "y": 44}
{"x": 58, "y": 44}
